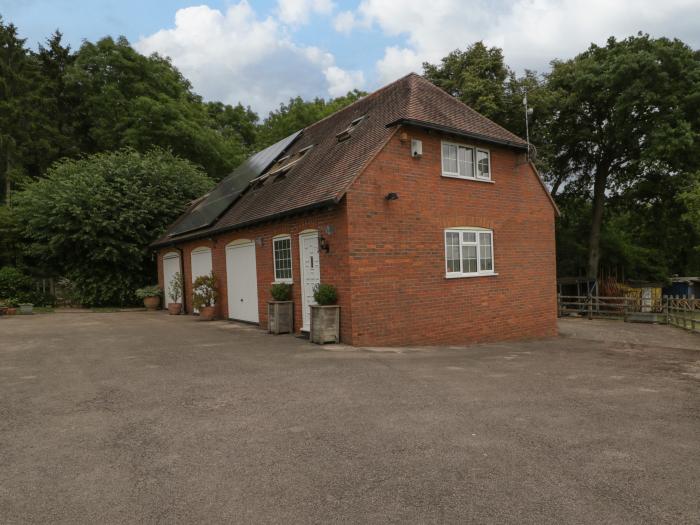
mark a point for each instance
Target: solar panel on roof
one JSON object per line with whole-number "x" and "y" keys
{"x": 226, "y": 192}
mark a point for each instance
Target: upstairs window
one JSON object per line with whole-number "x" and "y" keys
{"x": 468, "y": 252}
{"x": 458, "y": 161}
{"x": 282, "y": 254}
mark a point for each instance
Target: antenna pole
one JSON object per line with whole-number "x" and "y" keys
{"x": 527, "y": 127}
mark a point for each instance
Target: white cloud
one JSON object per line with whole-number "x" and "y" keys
{"x": 237, "y": 56}
{"x": 298, "y": 12}
{"x": 531, "y": 32}
{"x": 341, "y": 81}
{"x": 344, "y": 22}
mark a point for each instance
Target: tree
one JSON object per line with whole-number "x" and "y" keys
{"x": 124, "y": 99}
{"x": 298, "y": 114}
{"x": 91, "y": 219}
{"x": 625, "y": 113}
{"x": 476, "y": 76}
{"x": 26, "y": 127}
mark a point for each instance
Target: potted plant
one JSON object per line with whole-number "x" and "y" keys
{"x": 11, "y": 305}
{"x": 151, "y": 296}
{"x": 325, "y": 315}
{"x": 175, "y": 293}
{"x": 280, "y": 311}
{"x": 204, "y": 296}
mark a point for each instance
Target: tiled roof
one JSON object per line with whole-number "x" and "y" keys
{"x": 324, "y": 173}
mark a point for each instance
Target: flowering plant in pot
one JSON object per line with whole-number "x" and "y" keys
{"x": 151, "y": 296}
{"x": 175, "y": 294}
{"x": 280, "y": 311}
{"x": 325, "y": 315}
{"x": 205, "y": 295}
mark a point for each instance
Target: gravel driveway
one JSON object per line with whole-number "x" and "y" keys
{"x": 144, "y": 417}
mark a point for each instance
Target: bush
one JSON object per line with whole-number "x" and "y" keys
{"x": 281, "y": 291}
{"x": 149, "y": 291}
{"x": 91, "y": 219}
{"x": 13, "y": 282}
{"x": 204, "y": 288}
{"x": 325, "y": 294}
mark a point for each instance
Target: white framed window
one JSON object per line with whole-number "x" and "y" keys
{"x": 282, "y": 256}
{"x": 469, "y": 252}
{"x": 465, "y": 162}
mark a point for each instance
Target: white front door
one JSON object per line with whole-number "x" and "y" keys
{"x": 242, "y": 282}
{"x": 201, "y": 265}
{"x": 171, "y": 266}
{"x": 310, "y": 274}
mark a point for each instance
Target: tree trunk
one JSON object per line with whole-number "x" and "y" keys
{"x": 601, "y": 180}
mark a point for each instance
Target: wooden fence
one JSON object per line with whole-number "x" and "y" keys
{"x": 676, "y": 311}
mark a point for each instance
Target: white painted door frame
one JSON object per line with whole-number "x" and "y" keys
{"x": 310, "y": 273}
{"x": 242, "y": 281}
{"x": 171, "y": 266}
{"x": 200, "y": 259}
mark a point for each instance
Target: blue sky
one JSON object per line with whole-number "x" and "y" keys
{"x": 263, "y": 52}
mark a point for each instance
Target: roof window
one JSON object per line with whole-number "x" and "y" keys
{"x": 345, "y": 134}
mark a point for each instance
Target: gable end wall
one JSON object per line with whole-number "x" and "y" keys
{"x": 400, "y": 294}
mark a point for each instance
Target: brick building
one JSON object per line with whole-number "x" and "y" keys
{"x": 425, "y": 215}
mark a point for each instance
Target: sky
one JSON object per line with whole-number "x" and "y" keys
{"x": 261, "y": 53}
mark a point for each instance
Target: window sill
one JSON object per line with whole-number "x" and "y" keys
{"x": 470, "y": 275}
{"x": 282, "y": 281}
{"x": 488, "y": 181}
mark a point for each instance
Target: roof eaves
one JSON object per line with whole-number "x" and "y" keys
{"x": 458, "y": 132}
{"x": 218, "y": 231}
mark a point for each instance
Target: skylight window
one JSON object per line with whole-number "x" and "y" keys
{"x": 345, "y": 134}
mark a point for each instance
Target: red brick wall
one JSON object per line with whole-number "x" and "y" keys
{"x": 334, "y": 264}
{"x": 397, "y": 263}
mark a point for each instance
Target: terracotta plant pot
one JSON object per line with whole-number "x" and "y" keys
{"x": 151, "y": 303}
{"x": 3, "y": 310}
{"x": 207, "y": 313}
{"x": 174, "y": 308}
{"x": 11, "y": 310}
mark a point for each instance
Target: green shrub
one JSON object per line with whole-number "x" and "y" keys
{"x": 149, "y": 291}
{"x": 91, "y": 219}
{"x": 325, "y": 294}
{"x": 204, "y": 288}
{"x": 13, "y": 282}
{"x": 281, "y": 291}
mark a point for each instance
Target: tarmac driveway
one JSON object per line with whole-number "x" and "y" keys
{"x": 138, "y": 417}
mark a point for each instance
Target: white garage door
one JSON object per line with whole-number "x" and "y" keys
{"x": 242, "y": 282}
{"x": 171, "y": 266}
{"x": 201, "y": 264}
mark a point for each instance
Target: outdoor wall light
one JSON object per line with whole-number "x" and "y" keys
{"x": 259, "y": 241}
{"x": 323, "y": 244}
{"x": 391, "y": 196}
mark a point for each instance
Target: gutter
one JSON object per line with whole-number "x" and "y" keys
{"x": 458, "y": 132}
{"x": 210, "y": 233}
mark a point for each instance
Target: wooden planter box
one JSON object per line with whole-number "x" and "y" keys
{"x": 280, "y": 317}
{"x": 325, "y": 324}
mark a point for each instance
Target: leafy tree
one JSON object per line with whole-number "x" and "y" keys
{"x": 298, "y": 114}
{"x": 625, "y": 113}
{"x": 91, "y": 219}
{"x": 26, "y": 128}
{"x": 125, "y": 99}
{"x": 476, "y": 76}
